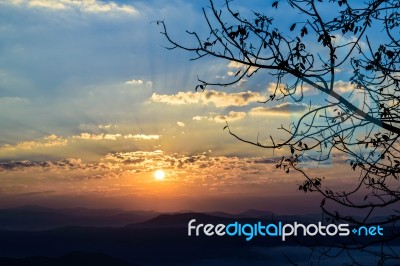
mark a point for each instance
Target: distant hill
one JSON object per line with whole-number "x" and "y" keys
{"x": 160, "y": 240}
{"x": 41, "y": 218}
{"x": 180, "y": 220}
{"x": 34, "y": 218}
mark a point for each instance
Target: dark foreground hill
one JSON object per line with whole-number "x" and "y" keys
{"x": 76, "y": 259}
{"x": 161, "y": 240}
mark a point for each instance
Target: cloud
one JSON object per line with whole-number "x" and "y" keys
{"x": 47, "y": 141}
{"x": 339, "y": 86}
{"x": 142, "y": 137}
{"x": 186, "y": 169}
{"x": 219, "y": 99}
{"x": 237, "y": 65}
{"x": 272, "y": 86}
{"x": 180, "y": 124}
{"x": 231, "y": 116}
{"x": 90, "y": 6}
{"x": 33, "y": 193}
{"x": 112, "y": 136}
{"x": 106, "y": 126}
{"x": 66, "y": 164}
{"x": 46, "y": 4}
{"x": 136, "y": 82}
{"x": 88, "y": 136}
{"x": 280, "y": 109}
{"x": 343, "y": 86}
{"x": 54, "y": 140}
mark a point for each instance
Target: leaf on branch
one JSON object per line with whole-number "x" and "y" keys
{"x": 304, "y": 31}
{"x": 293, "y": 26}
{"x": 224, "y": 127}
{"x": 206, "y": 44}
{"x": 389, "y": 54}
{"x": 323, "y": 202}
{"x": 275, "y": 4}
{"x": 236, "y": 14}
{"x": 199, "y": 86}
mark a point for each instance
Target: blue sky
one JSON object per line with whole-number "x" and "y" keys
{"x": 91, "y": 104}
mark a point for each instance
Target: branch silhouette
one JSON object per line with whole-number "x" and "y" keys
{"x": 362, "y": 123}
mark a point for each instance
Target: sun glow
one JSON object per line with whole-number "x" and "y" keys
{"x": 159, "y": 175}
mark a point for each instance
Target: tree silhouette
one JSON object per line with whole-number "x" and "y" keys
{"x": 362, "y": 123}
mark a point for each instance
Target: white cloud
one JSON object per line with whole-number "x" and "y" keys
{"x": 219, "y": 99}
{"x": 112, "y": 136}
{"x": 47, "y": 141}
{"x": 231, "y": 116}
{"x": 181, "y": 124}
{"x": 88, "y": 136}
{"x": 142, "y": 137}
{"x": 237, "y": 65}
{"x": 339, "y": 86}
{"x": 46, "y": 4}
{"x": 272, "y": 86}
{"x": 135, "y": 82}
{"x": 139, "y": 82}
{"x": 90, "y": 6}
{"x": 106, "y": 126}
{"x": 199, "y": 117}
{"x": 343, "y": 86}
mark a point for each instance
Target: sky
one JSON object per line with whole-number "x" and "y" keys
{"x": 92, "y": 104}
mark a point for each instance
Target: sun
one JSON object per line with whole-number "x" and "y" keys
{"x": 159, "y": 175}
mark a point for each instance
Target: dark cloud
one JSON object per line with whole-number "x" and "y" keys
{"x": 280, "y": 109}
{"x": 266, "y": 161}
{"x": 61, "y": 164}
